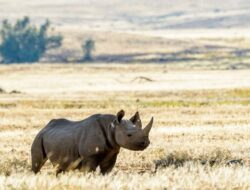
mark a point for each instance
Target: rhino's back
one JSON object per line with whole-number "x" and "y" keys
{"x": 65, "y": 130}
{"x": 64, "y": 125}
{"x": 62, "y": 137}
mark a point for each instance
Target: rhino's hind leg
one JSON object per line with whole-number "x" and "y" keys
{"x": 37, "y": 164}
{"x": 38, "y": 156}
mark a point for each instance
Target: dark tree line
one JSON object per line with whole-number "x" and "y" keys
{"x": 23, "y": 42}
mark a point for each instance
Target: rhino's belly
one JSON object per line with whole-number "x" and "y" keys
{"x": 66, "y": 158}
{"x": 60, "y": 148}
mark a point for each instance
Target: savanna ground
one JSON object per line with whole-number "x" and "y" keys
{"x": 196, "y": 84}
{"x": 200, "y": 138}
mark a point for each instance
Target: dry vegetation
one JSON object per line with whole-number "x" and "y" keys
{"x": 200, "y": 138}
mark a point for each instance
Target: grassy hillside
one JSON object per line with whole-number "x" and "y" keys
{"x": 181, "y": 52}
{"x": 183, "y": 34}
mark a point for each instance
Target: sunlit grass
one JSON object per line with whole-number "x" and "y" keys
{"x": 200, "y": 138}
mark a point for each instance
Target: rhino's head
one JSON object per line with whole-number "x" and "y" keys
{"x": 129, "y": 133}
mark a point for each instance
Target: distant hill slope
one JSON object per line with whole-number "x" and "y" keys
{"x": 133, "y": 15}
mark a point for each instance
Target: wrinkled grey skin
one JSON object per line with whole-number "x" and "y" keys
{"x": 87, "y": 144}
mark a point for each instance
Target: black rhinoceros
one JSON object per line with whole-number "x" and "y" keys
{"x": 87, "y": 144}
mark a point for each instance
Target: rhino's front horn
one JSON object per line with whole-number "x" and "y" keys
{"x": 147, "y": 129}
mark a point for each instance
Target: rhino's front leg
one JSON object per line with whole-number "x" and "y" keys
{"x": 107, "y": 165}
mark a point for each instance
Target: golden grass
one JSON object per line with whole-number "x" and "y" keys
{"x": 200, "y": 139}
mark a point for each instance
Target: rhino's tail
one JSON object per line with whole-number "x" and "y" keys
{"x": 38, "y": 155}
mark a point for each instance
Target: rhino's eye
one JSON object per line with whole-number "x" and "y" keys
{"x": 129, "y": 135}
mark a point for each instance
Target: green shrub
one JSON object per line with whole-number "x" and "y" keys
{"x": 88, "y": 47}
{"x": 24, "y": 42}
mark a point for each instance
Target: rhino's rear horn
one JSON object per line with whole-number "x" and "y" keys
{"x": 120, "y": 115}
{"x": 136, "y": 120}
{"x": 147, "y": 129}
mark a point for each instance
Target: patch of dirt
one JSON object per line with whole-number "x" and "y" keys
{"x": 15, "y": 92}
{"x": 142, "y": 79}
{"x": 2, "y": 91}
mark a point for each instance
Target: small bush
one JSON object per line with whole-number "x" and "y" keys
{"x": 88, "y": 47}
{"x": 23, "y": 42}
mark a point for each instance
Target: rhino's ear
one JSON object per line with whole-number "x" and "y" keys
{"x": 136, "y": 120}
{"x": 120, "y": 115}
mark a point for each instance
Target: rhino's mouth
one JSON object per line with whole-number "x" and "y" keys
{"x": 141, "y": 145}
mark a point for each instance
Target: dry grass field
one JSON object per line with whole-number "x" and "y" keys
{"x": 187, "y": 63}
{"x": 200, "y": 138}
